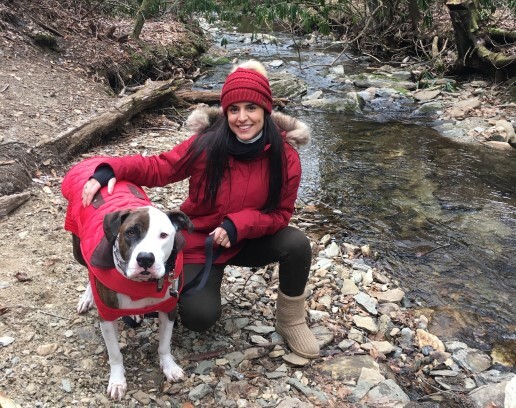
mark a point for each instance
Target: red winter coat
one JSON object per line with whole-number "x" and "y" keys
{"x": 87, "y": 224}
{"x": 242, "y": 193}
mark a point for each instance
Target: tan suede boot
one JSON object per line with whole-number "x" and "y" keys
{"x": 291, "y": 325}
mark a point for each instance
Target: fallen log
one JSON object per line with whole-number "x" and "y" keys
{"x": 94, "y": 130}
{"x": 11, "y": 202}
{"x": 213, "y": 97}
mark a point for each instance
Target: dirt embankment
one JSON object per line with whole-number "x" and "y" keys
{"x": 58, "y": 69}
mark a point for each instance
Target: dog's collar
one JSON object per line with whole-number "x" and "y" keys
{"x": 120, "y": 264}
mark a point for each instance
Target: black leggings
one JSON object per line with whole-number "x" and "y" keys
{"x": 290, "y": 247}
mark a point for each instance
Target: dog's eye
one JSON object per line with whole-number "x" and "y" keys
{"x": 130, "y": 232}
{"x": 163, "y": 235}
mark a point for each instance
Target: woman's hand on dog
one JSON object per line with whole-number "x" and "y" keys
{"x": 91, "y": 187}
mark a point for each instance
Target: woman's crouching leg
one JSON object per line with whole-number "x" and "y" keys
{"x": 200, "y": 311}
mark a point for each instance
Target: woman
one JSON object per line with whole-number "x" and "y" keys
{"x": 244, "y": 174}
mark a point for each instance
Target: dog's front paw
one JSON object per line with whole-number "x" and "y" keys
{"x": 171, "y": 370}
{"x": 117, "y": 391}
{"x": 117, "y": 384}
{"x": 86, "y": 302}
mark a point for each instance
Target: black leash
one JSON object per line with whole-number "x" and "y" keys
{"x": 197, "y": 283}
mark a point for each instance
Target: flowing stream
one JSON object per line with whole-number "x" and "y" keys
{"x": 441, "y": 215}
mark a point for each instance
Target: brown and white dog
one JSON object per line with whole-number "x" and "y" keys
{"x": 143, "y": 242}
{"x": 132, "y": 251}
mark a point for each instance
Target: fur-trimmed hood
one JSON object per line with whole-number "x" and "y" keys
{"x": 297, "y": 132}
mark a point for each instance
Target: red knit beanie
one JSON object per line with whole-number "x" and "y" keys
{"x": 246, "y": 85}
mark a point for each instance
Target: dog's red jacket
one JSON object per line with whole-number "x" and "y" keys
{"x": 87, "y": 224}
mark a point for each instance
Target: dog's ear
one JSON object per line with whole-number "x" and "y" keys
{"x": 112, "y": 223}
{"x": 179, "y": 241}
{"x": 180, "y": 220}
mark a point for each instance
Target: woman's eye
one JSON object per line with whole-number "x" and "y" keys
{"x": 163, "y": 235}
{"x": 251, "y": 107}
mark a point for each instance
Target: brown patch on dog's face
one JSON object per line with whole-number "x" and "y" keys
{"x": 132, "y": 231}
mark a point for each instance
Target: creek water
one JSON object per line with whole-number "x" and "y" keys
{"x": 441, "y": 215}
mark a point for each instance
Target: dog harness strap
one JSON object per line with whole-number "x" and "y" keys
{"x": 202, "y": 276}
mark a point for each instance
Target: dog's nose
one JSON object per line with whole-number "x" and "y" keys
{"x": 145, "y": 259}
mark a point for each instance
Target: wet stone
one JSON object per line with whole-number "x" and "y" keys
{"x": 472, "y": 360}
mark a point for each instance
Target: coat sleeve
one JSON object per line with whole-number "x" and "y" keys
{"x": 252, "y": 223}
{"x": 153, "y": 171}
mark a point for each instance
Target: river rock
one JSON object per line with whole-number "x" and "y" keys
{"x": 346, "y": 368}
{"x": 290, "y": 402}
{"x": 472, "y": 360}
{"x": 356, "y": 335}
{"x": 309, "y": 391}
{"x": 367, "y": 380}
{"x": 383, "y": 82}
{"x": 386, "y": 392}
{"x": 428, "y": 108}
{"x": 6, "y": 340}
{"x": 460, "y": 108}
{"x": 383, "y": 347}
{"x": 260, "y": 329}
{"x": 423, "y": 338}
{"x": 366, "y": 323}
{"x": 492, "y": 376}
{"x": 286, "y": 85}
{"x": 491, "y": 395}
{"x": 352, "y": 102}
{"x": 367, "y": 302}
{"x": 426, "y": 95}
{"x": 199, "y": 392}
{"x": 510, "y": 393}
{"x": 389, "y": 296}
{"x": 349, "y": 287}
{"x": 295, "y": 360}
{"x": 46, "y": 349}
{"x": 332, "y": 250}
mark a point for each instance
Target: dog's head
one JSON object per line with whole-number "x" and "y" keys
{"x": 143, "y": 240}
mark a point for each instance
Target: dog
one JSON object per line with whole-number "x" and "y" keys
{"x": 133, "y": 254}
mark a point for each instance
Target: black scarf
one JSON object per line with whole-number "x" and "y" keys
{"x": 246, "y": 151}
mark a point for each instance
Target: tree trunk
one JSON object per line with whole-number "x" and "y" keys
{"x": 141, "y": 15}
{"x": 471, "y": 46}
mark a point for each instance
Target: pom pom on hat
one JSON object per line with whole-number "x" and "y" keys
{"x": 247, "y": 83}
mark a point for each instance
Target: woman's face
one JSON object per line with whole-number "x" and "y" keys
{"x": 246, "y": 119}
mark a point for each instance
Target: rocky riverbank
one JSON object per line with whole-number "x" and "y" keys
{"x": 376, "y": 351}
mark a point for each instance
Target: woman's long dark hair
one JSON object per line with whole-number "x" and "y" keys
{"x": 214, "y": 143}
